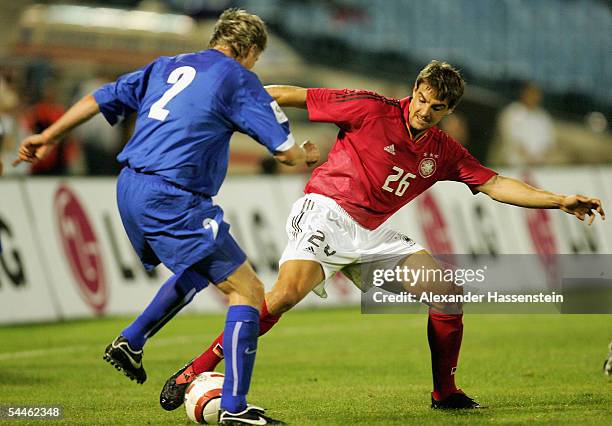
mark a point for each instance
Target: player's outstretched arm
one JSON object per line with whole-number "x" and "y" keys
{"x": 34, "y": 147}
{"x": 306, "y": 153}
{"x": 291, "y": 96}
{"x": 513, "y": 191}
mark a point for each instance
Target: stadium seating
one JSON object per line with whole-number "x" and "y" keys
{"x": 562, "y": 45}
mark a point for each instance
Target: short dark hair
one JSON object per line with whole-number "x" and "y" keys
{"x": 239, "y": 30}
{"x": 444, "y": 79}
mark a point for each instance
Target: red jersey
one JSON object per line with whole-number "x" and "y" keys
{"x": 375, "y": 167}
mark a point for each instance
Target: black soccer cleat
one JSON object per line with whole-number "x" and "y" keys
{"x": 124, "y": 358}
{"x": 455, "y": 401}
{"x": 250, "y": 416}
{"x": 173, "y": 392}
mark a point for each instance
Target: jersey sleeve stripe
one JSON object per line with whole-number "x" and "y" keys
{"x": 287, "y": 144}
{"x": 363, "y": 96}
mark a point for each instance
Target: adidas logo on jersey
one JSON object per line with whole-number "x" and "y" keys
{"x": 390, "y": 149}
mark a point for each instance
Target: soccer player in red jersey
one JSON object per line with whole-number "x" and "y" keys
{"x": 387, "y": 152}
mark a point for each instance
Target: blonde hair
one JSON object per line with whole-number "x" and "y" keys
{"x": 239, "y": 30}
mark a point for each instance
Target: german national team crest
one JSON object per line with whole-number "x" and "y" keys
{"x": 427, "y": 167}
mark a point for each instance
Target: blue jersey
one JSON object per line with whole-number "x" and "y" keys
{"x": 187, "y": 108}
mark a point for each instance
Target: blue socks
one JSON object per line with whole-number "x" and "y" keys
{"x": 239, "y": 347}
{"x": 177, "y": 292}
{"x": 239, "y": 339}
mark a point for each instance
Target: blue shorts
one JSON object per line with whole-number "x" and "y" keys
{"x": 176, "y": 227}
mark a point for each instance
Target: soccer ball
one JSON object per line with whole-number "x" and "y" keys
{"x": 203, "y": 398}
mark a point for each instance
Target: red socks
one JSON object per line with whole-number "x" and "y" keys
{"x": 214, "y": 354}
{"x": 266, "y": 319}
{"x": 210, "y": 357}
{"x": 444, "y": 333}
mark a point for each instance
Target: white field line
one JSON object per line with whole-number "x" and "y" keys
{"x": 84, "y": 348}
{"x": 203, "y": 338}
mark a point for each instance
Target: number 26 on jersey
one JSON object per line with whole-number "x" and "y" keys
{"x": 401, "y": 176}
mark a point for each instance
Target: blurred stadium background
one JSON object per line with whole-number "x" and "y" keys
{"x": 64, "y": 253}
{"x": 51, "y": 52}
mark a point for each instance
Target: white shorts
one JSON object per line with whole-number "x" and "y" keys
{"x": 320, "y": 230}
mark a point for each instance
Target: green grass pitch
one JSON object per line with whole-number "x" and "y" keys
{"x": 327, "y": 367}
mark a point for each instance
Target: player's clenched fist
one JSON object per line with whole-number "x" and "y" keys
{"x": 32, "y": 148}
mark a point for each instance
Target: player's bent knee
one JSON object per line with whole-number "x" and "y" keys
{"x": 252, "y": 291}
{"x": 287, "y": 301}
{"x": 259, "y": 294}
{"x": 296, "y": 279}
{"x": 449, "y": 291}
{"x": 281, "y": 299}
{"x": 243, "y": 287}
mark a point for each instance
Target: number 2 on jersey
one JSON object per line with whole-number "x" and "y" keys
{"x": 180, "y": 78}
{"x": 402, "y": 186}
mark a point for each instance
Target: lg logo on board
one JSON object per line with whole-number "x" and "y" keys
{"x": 81, "y": 248}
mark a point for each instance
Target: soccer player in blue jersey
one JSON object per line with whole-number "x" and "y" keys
{"x": 187, "y": 108}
